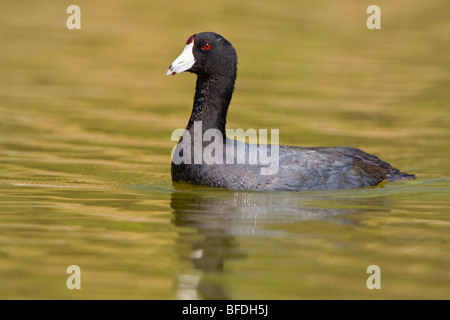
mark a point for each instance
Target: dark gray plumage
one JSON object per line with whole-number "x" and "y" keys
{"x": 322, "y": 168}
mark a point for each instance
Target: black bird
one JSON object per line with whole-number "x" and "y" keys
{"x": 213, "y": 59}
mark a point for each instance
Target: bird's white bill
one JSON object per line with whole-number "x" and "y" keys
{"x": 184, "y": 62}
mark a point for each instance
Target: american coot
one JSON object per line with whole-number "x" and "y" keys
{"x": 214, "y": 61}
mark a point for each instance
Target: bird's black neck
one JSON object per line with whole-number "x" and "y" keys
{"x": 212, "y": 98}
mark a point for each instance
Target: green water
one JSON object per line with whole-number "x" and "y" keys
{"x": 85, "y": 123}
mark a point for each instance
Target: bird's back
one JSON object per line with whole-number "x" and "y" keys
{"x": 298, "y": 168}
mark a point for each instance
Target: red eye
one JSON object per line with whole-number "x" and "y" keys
{"x": 207, "y": 46}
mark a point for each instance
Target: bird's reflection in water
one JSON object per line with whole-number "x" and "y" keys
{"x": 219, "y": 216}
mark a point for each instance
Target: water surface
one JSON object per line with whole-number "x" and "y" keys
{"x": 85, "y": 126}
